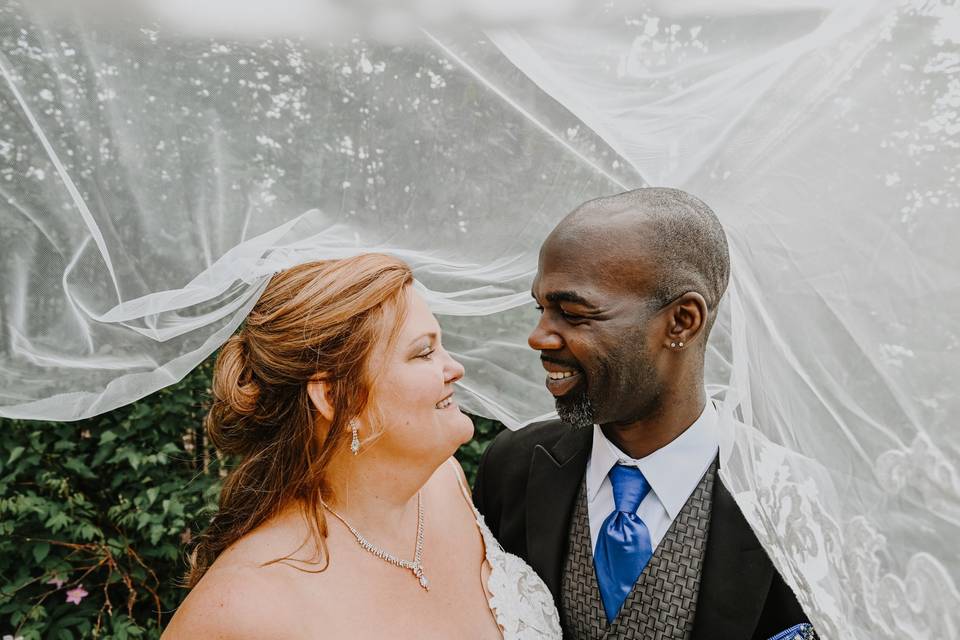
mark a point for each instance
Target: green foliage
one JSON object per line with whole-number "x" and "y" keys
{"x": 469, "y": 454}
{"x": 108, "y": 506}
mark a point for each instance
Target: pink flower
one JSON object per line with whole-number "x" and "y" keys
{"x": 76, "y": 595}
{"x": 56, "y": 581}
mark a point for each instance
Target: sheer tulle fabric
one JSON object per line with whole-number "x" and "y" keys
{"x": 151, "y": 183}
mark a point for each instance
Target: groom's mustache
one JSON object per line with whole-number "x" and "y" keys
{"x": 563, "y": 363}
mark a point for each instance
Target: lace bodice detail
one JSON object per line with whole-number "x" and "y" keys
{"x": 521, "y": 603}
{"x": 519, "y": 599}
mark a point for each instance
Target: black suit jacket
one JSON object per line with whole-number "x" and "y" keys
{"x": 526, "y": 487}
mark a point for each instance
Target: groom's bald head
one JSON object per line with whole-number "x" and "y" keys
{"x": 658, "y": 240}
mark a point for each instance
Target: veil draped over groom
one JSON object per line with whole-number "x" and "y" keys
{"x": 153, "y": 178}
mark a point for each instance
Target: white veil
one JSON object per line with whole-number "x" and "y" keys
{"x": 151, "y": 182}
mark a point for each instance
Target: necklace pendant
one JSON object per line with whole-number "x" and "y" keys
{"x": 418, "y": 572}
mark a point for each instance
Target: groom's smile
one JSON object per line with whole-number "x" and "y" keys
{"x": 561, "y": 376}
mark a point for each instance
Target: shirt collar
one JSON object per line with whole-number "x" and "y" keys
{"x": 673, "y": 471}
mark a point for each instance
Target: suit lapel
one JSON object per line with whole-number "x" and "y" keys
{"x": 555, "y": 477}
{"x": 736, "y": 574}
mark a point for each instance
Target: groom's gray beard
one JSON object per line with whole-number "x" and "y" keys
{"x": 578, "y": 413}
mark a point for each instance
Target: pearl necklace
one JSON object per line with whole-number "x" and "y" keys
{"x": 415, "y": 565}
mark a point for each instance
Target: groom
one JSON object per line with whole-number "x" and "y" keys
{"x": 618, "y": 505}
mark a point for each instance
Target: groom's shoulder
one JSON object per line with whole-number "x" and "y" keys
{"x": 505, "y": 467}
{"x": 519, "y": 444}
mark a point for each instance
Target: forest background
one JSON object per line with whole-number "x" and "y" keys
{"x": 97, "y": 516}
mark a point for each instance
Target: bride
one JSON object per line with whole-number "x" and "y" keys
{"x": 347, "y": 516}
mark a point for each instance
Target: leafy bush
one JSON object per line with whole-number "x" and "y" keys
{"x": 96, "y": 516}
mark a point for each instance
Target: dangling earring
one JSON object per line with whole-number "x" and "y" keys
{"x": 355, "y": 439}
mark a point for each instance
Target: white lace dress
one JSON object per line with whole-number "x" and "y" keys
{"x": 519, "y": 599}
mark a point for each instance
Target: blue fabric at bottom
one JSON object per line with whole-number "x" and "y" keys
{"x": 799, "y": 632}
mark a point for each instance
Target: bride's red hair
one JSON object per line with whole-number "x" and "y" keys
{"x": 316, "y": 319}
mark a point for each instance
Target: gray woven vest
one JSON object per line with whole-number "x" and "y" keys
{"x": 663, "y": 601}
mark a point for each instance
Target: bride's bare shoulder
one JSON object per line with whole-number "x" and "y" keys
{"x": 246, "y": 594}
{"x": 229, "y": 602}
{"x": 453, "y": 475}
{"x": 450, "y": 481}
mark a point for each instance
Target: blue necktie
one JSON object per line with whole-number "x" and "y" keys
{"x": 623, "y": 547}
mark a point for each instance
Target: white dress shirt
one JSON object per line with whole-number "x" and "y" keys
{"x": 673, "y": 472}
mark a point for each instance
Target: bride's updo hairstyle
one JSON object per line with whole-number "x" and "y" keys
{"x": 316, "y": 320}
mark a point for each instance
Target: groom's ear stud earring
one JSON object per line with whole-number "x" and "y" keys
{"x": 676, "y": 345}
